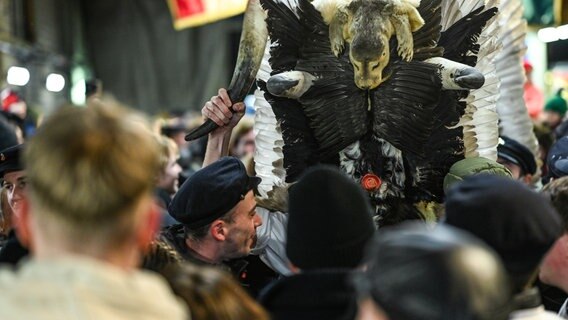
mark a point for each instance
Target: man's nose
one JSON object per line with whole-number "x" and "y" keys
{"x": 17, "y": 195}
{"x": 10, "y": 194}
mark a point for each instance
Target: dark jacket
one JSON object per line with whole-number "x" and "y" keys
{"x": 12, "y": 251}
{"x": 250, "y": 271}
{"x": 322, "y": 294}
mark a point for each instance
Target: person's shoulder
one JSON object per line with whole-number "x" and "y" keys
{"x": 87, "y": 287}
{"x": 12, "y": 251}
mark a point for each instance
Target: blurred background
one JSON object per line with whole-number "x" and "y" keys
{"x": 170, "y": 56}
{"x": 50, "y": 49}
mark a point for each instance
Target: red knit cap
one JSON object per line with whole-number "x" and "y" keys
{"x": 9, "y": 97}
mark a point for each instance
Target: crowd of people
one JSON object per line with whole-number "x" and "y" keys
{"x": 109, "y": 216}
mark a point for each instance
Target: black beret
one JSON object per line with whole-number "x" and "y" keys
{"x": 557, "y": 160}
{"x": 516, "y": 153}
{"x": 518, "y": 223}
{"x": 211, "y": 192}
{"x": 10, "y": 159}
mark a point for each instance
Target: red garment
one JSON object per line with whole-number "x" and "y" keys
{"x": 9, "y": 99}
{"x": 534, "y": 99}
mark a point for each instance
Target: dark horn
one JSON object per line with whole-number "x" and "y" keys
{"x": 251, "y": 50}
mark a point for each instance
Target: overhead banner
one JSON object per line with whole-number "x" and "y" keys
{"x": 192, "y": 13}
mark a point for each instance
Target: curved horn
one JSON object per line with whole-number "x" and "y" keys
{"x": 251, "y": 49}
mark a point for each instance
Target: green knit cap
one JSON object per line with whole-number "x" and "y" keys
{"x": 472, "y": 166}
{"x": 556, "y": 104}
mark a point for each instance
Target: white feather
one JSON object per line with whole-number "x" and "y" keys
{"x": 268, "y": 158}
{"x": 515, "y": 120}
{"x": 453, "y": 10}
{"x": 480, "y": 121}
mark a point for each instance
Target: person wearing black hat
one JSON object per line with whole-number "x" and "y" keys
{"x": 557, "y": 159}
{"x": 516, "y": 222}
{"x": 216, "y": 208}
{"x": 12, "y": 173}
{"x": 517, "y": 158}
{"x": 216, "y": 211}
{"x": 416, "y": 273}
{"x": 14, "y": 184}
{"x": 330, "y": 221}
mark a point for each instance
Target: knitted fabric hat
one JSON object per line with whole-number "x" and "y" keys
{"x": 516, "y": 222}
{"x": 329, "y": 221}
{"x": 472, "y": 166}
{"x": 556, "y": 104}
{"x": 9, "y": 97}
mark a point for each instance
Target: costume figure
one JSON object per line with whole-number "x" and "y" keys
{"x": 392, "y": 91}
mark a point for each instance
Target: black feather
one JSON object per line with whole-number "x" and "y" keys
{"x": 403, "y": 106}
{"x": 300, "y": 147}
{"x": 283, "y": 29}
{"x": 426, "y": 38}
{"x": 460, "y": 40}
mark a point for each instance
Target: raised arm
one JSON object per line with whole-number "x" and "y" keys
{"x": 218, "y": 109}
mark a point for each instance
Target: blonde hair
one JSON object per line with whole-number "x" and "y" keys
{"x": 243, "y": 127}
{"x": 168, "y": 149}
{"x": 6, "y": 213}
{"x": 212, "y": 294}
{"x": 88, "y": 168}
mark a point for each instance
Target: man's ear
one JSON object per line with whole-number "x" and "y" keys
{"x": 218, "y": 230}
{"x": 527, "y": 179}
{"x": 22, "y": 223}
{"x": 149, "y": 227}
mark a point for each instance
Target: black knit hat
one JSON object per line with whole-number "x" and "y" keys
{"x": 211, "y": 192}
{"x": 518, "y": 223}
{"x": 329, "y": 221}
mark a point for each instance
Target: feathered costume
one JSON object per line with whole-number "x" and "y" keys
{"x": 404, "y": 132}
{"x": 393, "y": 119}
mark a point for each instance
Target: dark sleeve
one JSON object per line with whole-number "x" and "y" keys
{"x": 13, "y": 251}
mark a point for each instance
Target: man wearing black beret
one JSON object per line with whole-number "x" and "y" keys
{"x": 13, "y": 185}
{"x": 517, "y": 158}
{"x": 216, "y": 209}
